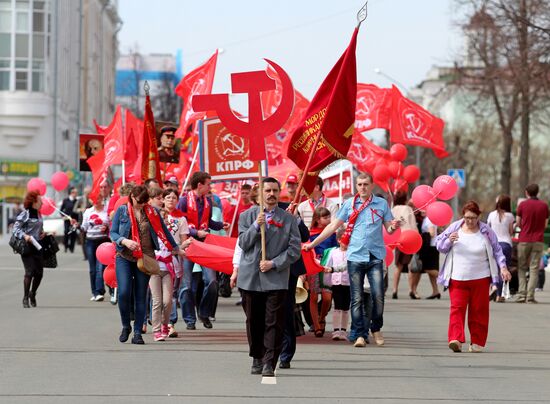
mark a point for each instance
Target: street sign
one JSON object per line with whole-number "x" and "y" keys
{"x": 459, "y": 176}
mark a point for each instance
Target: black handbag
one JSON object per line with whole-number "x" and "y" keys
{"x": 50, "y": 261}
{"x": 19, "y": 245}
{"x": 49, "y": 250}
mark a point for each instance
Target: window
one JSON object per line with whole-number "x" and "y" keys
{"x": 5, "y": 45}
{"x": 21, "y": 45}
{"x": 21, "y": 80}
{"x": 22, "y": 4}
{"x": 38, "y": 81}
{"x": 38, "y": 22}
{"x": 22, "y": 22}
{"x": 5, "y": 21}
{"x": 4, "y": 80}
{"x": 38, "y": 46}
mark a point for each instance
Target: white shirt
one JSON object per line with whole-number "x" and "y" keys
{"x": 337, "y": 259}
{"x": 501, "y": 226}
{"x": 470, "y": 259}
{"x": 95, "y": 223}
{"x": 306, "y": 213}
{"x": 425, "y": 228}
{"x": 405, "y": 212}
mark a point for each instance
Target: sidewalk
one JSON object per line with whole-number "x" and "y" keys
{"x": 66, "y": 350}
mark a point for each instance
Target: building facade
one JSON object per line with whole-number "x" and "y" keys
{"x": 57, "y": 74}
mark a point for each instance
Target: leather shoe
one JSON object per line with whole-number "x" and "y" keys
{"x": 32, "y": 299}
{"x": 124, "y": 334}
{"x": 26, "y": 302}
{"x": 137, "y": 339}
{"x": 434, "y": 296}
{"x": 284, "y": 365}
{"x": 268, "y": 371}
{"x": 191, "y": 326}
{"x": 206, "y": 322}
{"x": 257, "y": 367}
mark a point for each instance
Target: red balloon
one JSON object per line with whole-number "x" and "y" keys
{"x": 121, "y": 201}
{"x": 389, "y": 256}
{"x": 400, "y": 185}
{"x": 396, "y": 169}
{"x": 37, "y": 184}
{"x": 109, "y": 276}
{"x": 105, "y": 253}
{"x": 60, "y": 181}
{"x": 398, "y": 152}
{"x": 368, "y": 165}
{"x": 381, "y": 173}
{"x": 391, "y": 239}
{"x": 411, "y": 173}
{"x": 445, "y": 187}
{"x": 422, "y": 195}
{"x": 410, "y": 241}
{"x": 439, "y": 213}
{"x": 48, "y": 206}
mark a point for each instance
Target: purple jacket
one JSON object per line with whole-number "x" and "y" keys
{"x": 494, "y": 251}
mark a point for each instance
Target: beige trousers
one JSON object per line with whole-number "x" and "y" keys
{"x": 529, "y": 255}
{"x": 161, "y": 295}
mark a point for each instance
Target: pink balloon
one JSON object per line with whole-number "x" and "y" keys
{"x": 396, "y": 169}
{"x": 391, "y": 239}
{"x": 445, "y": 187}
{"x": 410, "y": 241}
{"x": 439, "y": 213}
{"x": 381, "y": 173}
{"x": 389, "y": 256}
{"x": 60, "y": 181}
{"x": 398, "y": 152}
{"x": 105, "y": 253}
{"x": 48, "y": 206}
{"x": 422, "y": 195}
{"x": 411, "y": 173}
{"x": 37, "y": 184}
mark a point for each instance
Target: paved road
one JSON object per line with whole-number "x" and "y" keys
{"x": 67, "y": 351}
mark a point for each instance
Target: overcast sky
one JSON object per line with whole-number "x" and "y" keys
{"x": 403, "y": 38}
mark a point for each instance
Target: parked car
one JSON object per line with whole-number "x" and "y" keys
{"x": 54, "y": 224}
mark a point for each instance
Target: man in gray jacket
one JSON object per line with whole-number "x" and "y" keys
{"x": 264, "y": 284}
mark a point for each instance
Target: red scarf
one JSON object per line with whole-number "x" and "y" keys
{"x": 353, "y": 218}
{"x": 193, "y": 212}
{"x": 315, "y": 231}
{"x": 154, "y": 220}
{"x": 169, "y": 262}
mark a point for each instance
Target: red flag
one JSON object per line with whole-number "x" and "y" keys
{"x": 211, "y": 256}
{"x": 112, "y": 140}
{"x": 96, "y": 164}
{"x": 198, "y": 81}
{"x": 331, "y": 112}
{"x": 134, "y": 141}
{"x": 373, "y": 108}
{"x": 150, "y": 166}
{"x": 412, "y": 124}
{"x": 364, "y": 154}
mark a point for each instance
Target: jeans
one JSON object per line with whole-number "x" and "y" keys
{"x": 96, "y": 268}
{"x": 374, "y": 271}
{"x": 507, "y": 252}
{"x": 130, "y": 278}
{"x": 187, "y": 293}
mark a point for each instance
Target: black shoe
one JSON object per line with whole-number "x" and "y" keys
{"x": 26, "y": 302}
{"x": 32, "y": 299}
{"x": 268, "y": 371}
{"x": 413, "y": 296}
{"x": 394, "y": 295}
{"x": 257, "y": 367}
{"x": 137, "y": 339}
{"x": 191, "y": 326}
{"x": 206, "y": 322}
{"x": 124, "y": 334}
{"x": 436, "y": 296}
{"x": 284, "y": 365}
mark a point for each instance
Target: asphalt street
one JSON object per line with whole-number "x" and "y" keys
{"x": 66, "y": 350}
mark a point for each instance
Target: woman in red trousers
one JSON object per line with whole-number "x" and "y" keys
{"x": 473, "y": 262}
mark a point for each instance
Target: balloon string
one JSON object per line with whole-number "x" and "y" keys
{"x": 55, "y": 208}
{"x": 427, "y": 203}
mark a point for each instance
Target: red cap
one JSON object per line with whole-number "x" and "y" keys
{"x": 293, "y": 179}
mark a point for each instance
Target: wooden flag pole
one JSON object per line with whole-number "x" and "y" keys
{"x": 261, "y": 200}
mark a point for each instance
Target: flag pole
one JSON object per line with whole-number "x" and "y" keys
{"x": 125, "y": 145}
{"x": 236, "y": 211}
{"x": 190, "y": 170}
{"x": 261, "y": 200}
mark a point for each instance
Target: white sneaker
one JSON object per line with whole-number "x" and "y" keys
{"x": 360, "y": 343}
{"x": 343, "y": 335}
{"x": 92, "y": 298}
{"x": 378, "y": 338}
{"x": 475, "y": 348}
{"x": 99, "y": 298}
{"x": 336, "y": 335}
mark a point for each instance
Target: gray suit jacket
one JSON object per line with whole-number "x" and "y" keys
{"x": 282, "y": 247}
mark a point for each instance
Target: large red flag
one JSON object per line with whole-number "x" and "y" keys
{"x": 134, "y": 141}
{"x": 150, "y": 166}
{"x": 198, "y": 81}
{"x": 112, "y": 140}
{"x": 412, "y": 124}
{"x": 99, "y": 174}
{"x": 373, "y": 108}
{"x": 331, "y": 112}
{"x": 364, "y": 154}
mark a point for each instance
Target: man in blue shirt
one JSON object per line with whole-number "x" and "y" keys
{"x": 365, "y": 214}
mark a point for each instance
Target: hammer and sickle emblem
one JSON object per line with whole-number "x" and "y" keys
{"x": 257, "y": 128}
{"x": 236, "y": 145}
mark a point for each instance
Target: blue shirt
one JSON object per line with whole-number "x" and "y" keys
{"x": 366, "y": 237}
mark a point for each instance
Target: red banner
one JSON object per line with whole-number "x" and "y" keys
{"x": 412, "y": 124}
{"x": 150, "y": 167}
{"x": 224, "y": 156}
{"x": 134, "y": 140}
{"x": 373, "y": 109}
{"x": 364, "y": 154}
{"x": 333, "y": 185}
